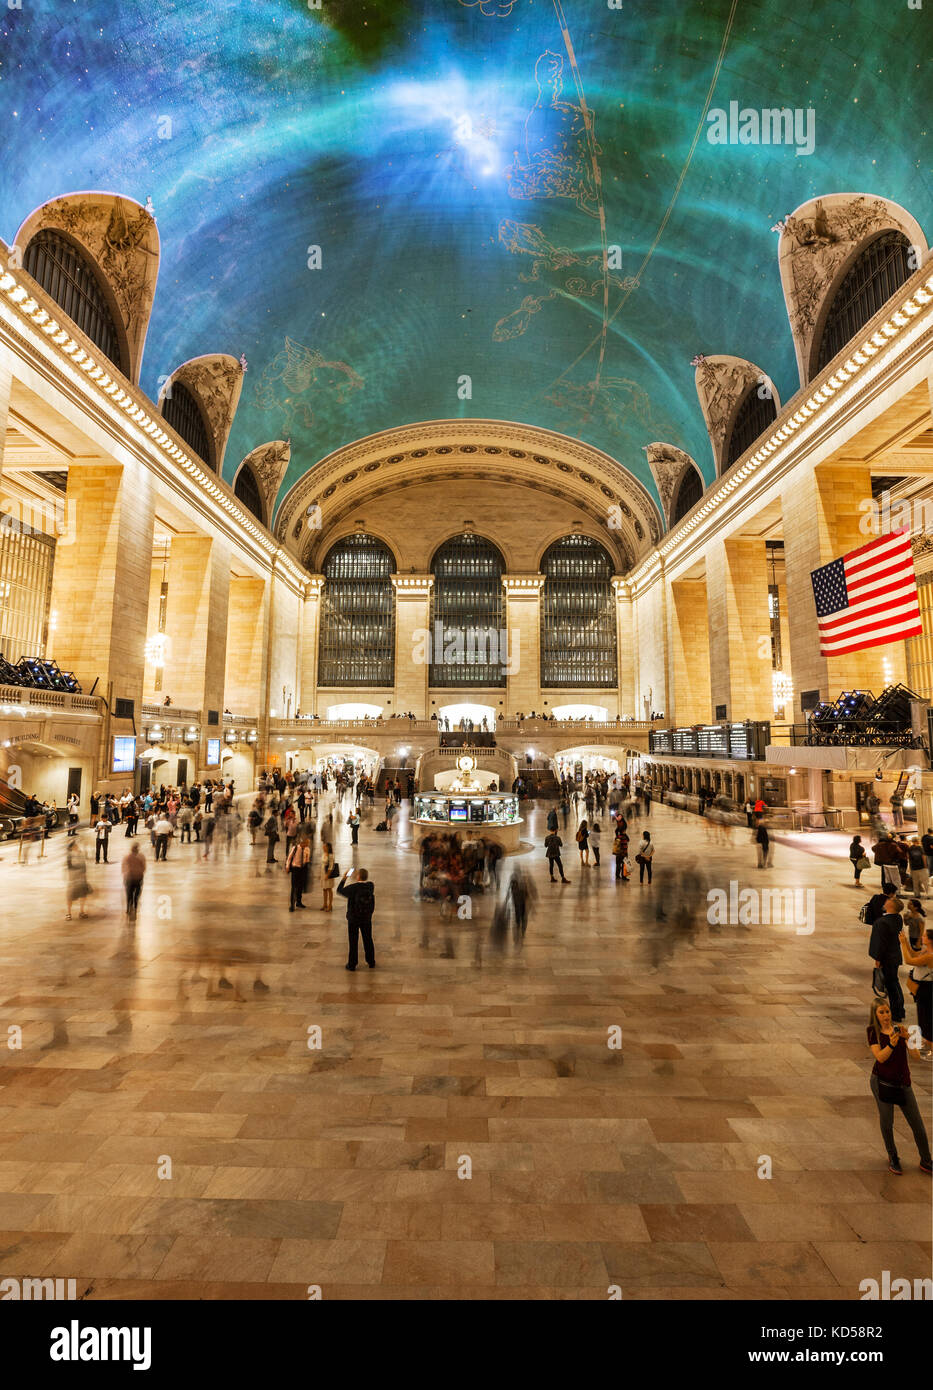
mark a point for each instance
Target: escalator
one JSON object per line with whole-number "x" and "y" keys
{"x": 13, "y": 809}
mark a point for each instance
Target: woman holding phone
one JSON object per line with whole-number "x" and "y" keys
{"x": 890, "y": 1084}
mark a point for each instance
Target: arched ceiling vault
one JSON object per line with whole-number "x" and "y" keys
{"x": 325, "y": 502}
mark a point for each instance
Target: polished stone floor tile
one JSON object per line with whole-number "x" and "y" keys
{"x": 446, "y": 1127}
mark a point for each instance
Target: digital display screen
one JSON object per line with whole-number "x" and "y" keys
{"x": 124, "y": 753}
{"x": 458, "y": 811}
{"x": 213, "y": 752}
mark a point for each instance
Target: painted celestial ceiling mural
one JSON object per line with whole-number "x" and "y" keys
{"x": 403, "y": 210}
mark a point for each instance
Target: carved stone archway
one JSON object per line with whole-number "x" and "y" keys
{"x": 120, "y": 237}
{"x": 819, "y": 241}
{"x": 613, "y": 503}
{"x": 215, "y": 381}
{"x": 669, "y": 466}
{"x": 722, "y": 384}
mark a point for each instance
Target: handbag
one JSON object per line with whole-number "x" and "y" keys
{"x": 334, "y": 871}
{"x": 890, "y": 1093}
{"x": 862, "y": 864}
{"x": 639, "y": 859}
{"x": 877, "y": 982}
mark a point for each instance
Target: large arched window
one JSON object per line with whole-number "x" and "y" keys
{"x": 578, "y": 622}
{"x": 246, "y": 488}
{"x": 357, "y": 637}
{"x": 687, "y": 496}
{"x": 69, "y": 277}
{"x": 468, "y": 614}
{"x": 877, "y": 273}
{"x": 752, "y": 419}
{"x": 183, "y": 413}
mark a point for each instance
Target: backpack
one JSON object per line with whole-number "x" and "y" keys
{"x": 863, "y": 912}
{"x": 382, "y": 825}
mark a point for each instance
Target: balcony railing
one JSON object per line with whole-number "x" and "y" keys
{"x": 171, "y": 714}
{"x": 395, "y": 727}
{"x": 31, "y": 698}
{"x": 240, "y": 721}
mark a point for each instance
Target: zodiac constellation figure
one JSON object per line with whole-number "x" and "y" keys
{"x": 558, "y": 157}
{"x": 492, "y": 9}
{"x": 301, "y": 370}
{"x": 523, "y": 238}
{"x": 612, "y": 400}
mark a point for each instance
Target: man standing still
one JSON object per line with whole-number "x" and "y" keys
{"x": 102, "y": 837}
{"x": 361, "y": 902}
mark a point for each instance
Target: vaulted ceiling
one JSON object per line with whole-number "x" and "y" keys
{"x": 406, "y": 210}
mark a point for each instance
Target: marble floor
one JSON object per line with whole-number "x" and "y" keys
{"x": 464, "y": 1130}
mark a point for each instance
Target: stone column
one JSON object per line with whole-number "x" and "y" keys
{"x": 310, "y": 641}
{"x": 625, "y": 643}
{"x": 413, "y": 642}
{"x": 100, "y": 590}
{"x": 739, "y": 628}
{"x": 247, "y": 638}
{"x": 523, "y": 623}
{"x": 196, "y": 631}
{"x": 6, "y": 386}
{"x": 824, "y": 516}
{"x": 690, "y": 658}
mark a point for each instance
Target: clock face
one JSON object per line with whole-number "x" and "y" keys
{"x": 466, "y": 763}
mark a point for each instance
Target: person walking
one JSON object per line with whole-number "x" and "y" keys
{"x": 890, "y": 1085}
{"x": 887, "y": 859}
{"x": 102, "y": 838}
{"x": 361, "y": 903}
{"x": 552, "y": 819}
{"x": 353, "y": 821}
{"x": 552, "y": 848}
{"x": 297, "y": 862}
{"x": 77, "y": 888}
{"x": 583, "y": 843}
{"x": 620, "y": 850}
{"x": 765, "y": 846}
{"x": 919, "y": 873}
{"x": 858, "y": 858}
{"x": 271, "y": 832}
{"x": 596, "y": 832}
{"x": 134, "y": 871}
{"x": 885, "y": 950}
{"x": 74, "y": 806}
{"x": 329, "y": 872}
{"x": 644, "y": 856}
{"x": 920, "y": 984}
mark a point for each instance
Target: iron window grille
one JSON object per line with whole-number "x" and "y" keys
{"x": 878, "y": 272}
{"x": 357, "y": 634}
{"x": 752, "y": 419}
{"x": 247, "y": 490}
{"x": 182, "y": 412}
{"x": 578, "y": 623}
{"x": 688, "y": 495}
{"x": 67, "y": 275}
{"x": 468, "y": 614}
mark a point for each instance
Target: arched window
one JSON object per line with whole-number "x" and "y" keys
{"x": 877, "y": 273}
{"x": 67, "y": 274}
{"x": 578, "y": 622}
{"x": 753, "y": 418}
{"x": 468, "y": 638}
{"x": 247, "y": 490}
{"x": 183, "y": 413}
{"x": 688, "y": 495}
{"x": 357, "y": 638}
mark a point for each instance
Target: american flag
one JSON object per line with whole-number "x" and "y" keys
{"x": 869, "y": 597}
